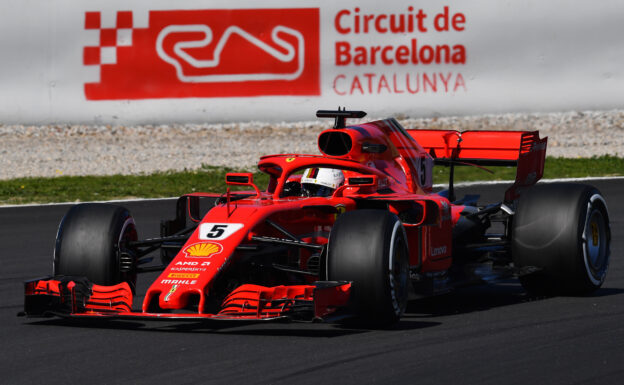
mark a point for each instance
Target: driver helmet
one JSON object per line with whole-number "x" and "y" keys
{"x": 321, "y": 182}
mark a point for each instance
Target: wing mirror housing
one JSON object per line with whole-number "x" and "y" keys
{"x": 241, "y": 179}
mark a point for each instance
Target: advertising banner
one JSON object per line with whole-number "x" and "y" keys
{"x": 206, "y": 54}
{"x": 127, "y": 62}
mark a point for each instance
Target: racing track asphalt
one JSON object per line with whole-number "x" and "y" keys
{"x": 479, "y": 335}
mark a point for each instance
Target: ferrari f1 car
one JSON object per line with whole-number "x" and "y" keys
{"x": 342, "y": 235}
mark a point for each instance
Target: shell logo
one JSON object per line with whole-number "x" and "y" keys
{"x": 203, "y": 250}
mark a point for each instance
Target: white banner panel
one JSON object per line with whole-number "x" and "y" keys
{"x": 128, "y": 62}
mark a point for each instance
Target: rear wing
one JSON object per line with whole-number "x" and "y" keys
{"x": 523, "y": 149}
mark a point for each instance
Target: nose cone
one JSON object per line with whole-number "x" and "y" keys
{"x": 176, "y": 298}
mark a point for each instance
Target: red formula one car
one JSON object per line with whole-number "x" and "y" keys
{"x": 343, "y": 235}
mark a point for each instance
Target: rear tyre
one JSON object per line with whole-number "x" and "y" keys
{"x": 563, "y": 231}
{"x": 91, "y": 242}
{"x": 369, "y": 248}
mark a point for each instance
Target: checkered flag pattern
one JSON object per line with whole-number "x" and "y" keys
{"x": 110, "y": 38}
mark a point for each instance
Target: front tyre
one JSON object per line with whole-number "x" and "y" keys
{"x": 563, "y": 231}
{"x": 91, "y": 242}
{"x": 369, "y": 248}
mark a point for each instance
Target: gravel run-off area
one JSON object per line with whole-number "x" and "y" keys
{"x": 65, "y": 149}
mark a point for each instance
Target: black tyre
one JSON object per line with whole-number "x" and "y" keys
{"x": 90, "y": 241}
{"x": 563, "y": 231}
{"x": 369, "y": 247}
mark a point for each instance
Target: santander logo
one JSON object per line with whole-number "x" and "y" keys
{"x": 203, "y": 53}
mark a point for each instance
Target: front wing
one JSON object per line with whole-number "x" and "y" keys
{"x": 76, "y": 297}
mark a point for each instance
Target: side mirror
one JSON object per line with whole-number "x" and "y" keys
{"x": 371, "y": 181}
{"x": 363, "y": 181}
{"x": 241, "y": 179}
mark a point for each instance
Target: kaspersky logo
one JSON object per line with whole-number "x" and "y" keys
{"x": 203, "y": 53}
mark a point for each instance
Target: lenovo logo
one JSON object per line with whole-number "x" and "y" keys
{"x": 435, "y": 251}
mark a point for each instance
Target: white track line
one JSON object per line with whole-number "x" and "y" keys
{"x": 76, "y": 202}
{"x": 463, "y": 184}
{"x": 493, "y": 182}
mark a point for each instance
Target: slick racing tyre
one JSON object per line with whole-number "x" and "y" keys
{"x": 562, "y": 230}
{"x": 91, "y": 243}
{"x": 369, "y": 248}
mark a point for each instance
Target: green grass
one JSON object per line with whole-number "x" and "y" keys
{"x": 95, "y": 188}
{"x": 211, "y": 179}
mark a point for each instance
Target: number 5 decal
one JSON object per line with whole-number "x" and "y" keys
{"x": 218, "y": 231}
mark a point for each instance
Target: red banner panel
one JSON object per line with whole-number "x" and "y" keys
{"x": 206, "y": 53}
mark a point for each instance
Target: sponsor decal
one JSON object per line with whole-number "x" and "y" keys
{"x": 288, "y": 160}
{"x": 178, "y": 282}
{"x": 435, "y": 251}
{"x": 173, "y": 289}
{"x": 182, "y": 275}
{"x": 187, "y": 269}
{"x": 192, "y": 263}
{"x": 204, "y": 53}
{"x": 203, "y": 249}
{"x": 186, "y": 263}
{"x": 218, "y": 231}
